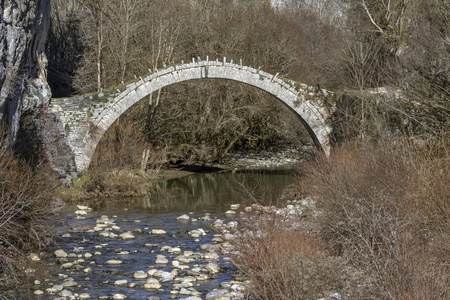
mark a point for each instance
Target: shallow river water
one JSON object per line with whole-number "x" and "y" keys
{"x": 91, "y": 241}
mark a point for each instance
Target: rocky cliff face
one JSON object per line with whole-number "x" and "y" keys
{"x": 25, "y": 94}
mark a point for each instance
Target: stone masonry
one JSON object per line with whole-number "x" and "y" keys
{"x": 86, "y": 118}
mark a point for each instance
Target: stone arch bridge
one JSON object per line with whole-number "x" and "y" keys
{"x": 86, "y": 118}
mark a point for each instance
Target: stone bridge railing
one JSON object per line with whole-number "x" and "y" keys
{"x": 86, "y": 118}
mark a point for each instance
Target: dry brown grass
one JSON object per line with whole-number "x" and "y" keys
{"x": 386, "y": 210}
{"x": 283, "y": 263}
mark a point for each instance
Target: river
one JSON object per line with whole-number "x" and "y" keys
{"x": 112, "y": 251}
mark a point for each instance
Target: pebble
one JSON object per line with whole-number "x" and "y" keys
{"x": 160, "y": 259}
{"x": 60, "y": 253}
{"x": 84, "y": 296}
{"x": 121, "y": 282}
{"x": 158, "y": 231}
{"x": 104, "y": 234}
{"x": 234, "y": 206}
{"x": 184, "y": 291}
{"x": 126, "y": 236}
{"x": 183, "y": 217}
{"x": 166, "y": 277}
{"x": 152, "y": 272}
{"x": 69, "y": 283}
{"x": 213, "y": 267}
{"x": 66, "y": 265}
{"x": 65, "y": 293}
{"x": 83, "y": 207}
{"x": 175, "y": 250}
{"x": 140, "y": 275}
{"x": 221, "y": 294}
{"x": 114, "y": 262}
{"x": 119, "y": 297}
{"x": 152, "y": 283}
{"x": 38, "y": 292}
{"x": 230, "y": 213}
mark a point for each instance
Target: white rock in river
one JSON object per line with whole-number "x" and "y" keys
{"x": 218, "y": 223}
{"x": 184, "y": 217}
{"x": 184, "y": 291}
{"x": 114, "y": 262}
{"x": 213, "y": 267}
{"x": 193, "y": 298}
{"x": 81, "y": 212}
{"x": 161, "y": 259}
{"x": 38, "y": 292}
{"x": 211, "y": 256}
{"x": 187, "y": 284}
{"x": 121, "y": 282}
{"x": 126, "y": 236}
{"x": 152, "y": 272}
{"x": 119, "y": 297}
{"x": 158, "y": 231}
{"x": 234, "y": 206}
{"x": 69, "y": 283}
{"x": 55, "y": 288}
{"x": 219, "y": 294}
{"x": 65, "y": 293}
{"x": 140, "y": 275}
{"x": 60, "y": 253}
{"x": 67, "y": 265}
{"x": 152, "y": 283}
{"x": 230, "y": 213}
{"x": 84, "y": 296}
{"x": 104, "y": 234}
{"x": 175, "y": 263}
{"x": 166, "y": 276}
{"x": 83, "y": 207}
{"x": 175, "y": 250}
{"x": 195, "y": 233}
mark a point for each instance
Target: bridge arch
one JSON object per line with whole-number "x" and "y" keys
{"x": 87, "y": 119}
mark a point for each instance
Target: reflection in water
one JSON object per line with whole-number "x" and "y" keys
{"x": 212, "y": 192}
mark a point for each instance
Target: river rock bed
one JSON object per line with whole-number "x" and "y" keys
{"x": 139, "y": 256}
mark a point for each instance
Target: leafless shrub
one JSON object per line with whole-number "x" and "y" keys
{"x": 385, "y": 209}
{"x": 26, "y": 212}
{"x": 282, "y": 262}
{"x": 120, "y": 148}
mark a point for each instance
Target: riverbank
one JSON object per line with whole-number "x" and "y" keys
{"x": 137, "y": 183}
